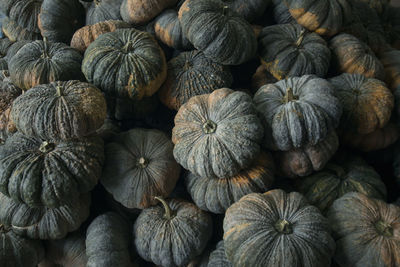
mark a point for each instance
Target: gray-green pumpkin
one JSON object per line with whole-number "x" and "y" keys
{"x": 8, "y": 93}
{"x": 218, "y": 257}
{"x": 103, "y": 10}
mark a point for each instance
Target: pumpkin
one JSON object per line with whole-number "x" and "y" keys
{"x": 390, "y": 20}
{"x": 15, "y": 32}
{"x": 276, "y": 229}
{"x": 172, "y": 235}
{"x": 216, "y": 195}
{"x": 281, "y": 13}
{"x": 140, "y": 165}
{"x": 366, "y": 230}
{"x": 217, "y": 134}
{"x": 8, "y": 93}
{"x": 218, "y": 257}
{"x": 103, "y": 10}
{"x": 325, "y": 17}
{"x": 43, "y": 222}
{"x": 108, "y": 240}
{"x": 14, "y": 48}
{"x": 353, "y": 56}
{"x": 60, "y": 110}
{"x": 391, "y": 63}
{"x": 42, "y": 62}
{"x": 249, "y": 9}
{"x": 378, "y": 5}
{"x": 218, "y": 31}
{"x": 261, "y": 77}
{"x": 17, "y": 251}
{"x": 345, "y": 174}
{"x": 59, "y": 19}
{"x": 25, "y": 13}
{"x": 367, "y": 102}
{"x": 5, "y": 45}
{"x": 140, "y": 12}
{"x": 304, "y": 161}
{"x": 125, "y": 63}
{"x": 123, "y": 109}
{"x": 297, "y": 112}
{"x": 83, "y": 37}
{"x": 190, "y": 74}
{"x": 289, "y": 50}
{"x": 50, "y": 173}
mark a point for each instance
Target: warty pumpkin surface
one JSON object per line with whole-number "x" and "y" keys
{"x": 103, "y": 10}
{"x": 366, "y": 230}
{"x": 140, "y": 12}
{"x": 125, "y": 63}
{"x": 217, "y": 134}
{"x": 8, "y": 93}
{"x": 276, "y": 229}
{"x": 15, "y": 32}
{"x": 218, "y": 257}
{"x": 49, "y": 173}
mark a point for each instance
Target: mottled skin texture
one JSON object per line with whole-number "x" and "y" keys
{"x": 60, "y": 110}
{"x": 304, "y": 161}
{"x": 14, "y": 32}
{"x": 221, "y": 33}
{"x": 297, "y": 112}
{"x": 281, "y": 12}
{"x": 261, "y": 77}
{"x": 288, "y": 50}
{"x": 391, "y": 62}
{"x": 108, "y": 240}
{"x": 343, "y": 175}
{"x": 367, "y": 103}
{"x": 103, "y": 10}
{"x": 218, "y": 134}
{"x": 125, "y": 63}
{"x": 17, "y": 251}
{"x": 190, "y": 74}
{"x": 366, "y": 230}
{"x": 218, "y": 257}
{"x": 139, "y": 166}
{"x": 276, "y": 229}
{"x": 51, "y": 174}
{"x": 351, "y": 55}
{"x": 390, "y": 20}
{"x": 249, "y": 9}
{"x": 216, "y": 195}
{"x": 142, "y": 11}
{"x": 43, "y": 222}
{"x": 8, "y": 93}
{"x": 173, "y": 241}
{"x": 25, "y": 13}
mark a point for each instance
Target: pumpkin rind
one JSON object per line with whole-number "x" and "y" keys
{"x": 8, "y": 93}
{"x": 15, "y": 47}
{"x": 281, "y": 13}
{"x": 14, "y": 32}
{"x": 102, "y": 10}
{"x": 25, "y": 14}
{"x": 140, "y": 12}
{"x": 218, "y": 257}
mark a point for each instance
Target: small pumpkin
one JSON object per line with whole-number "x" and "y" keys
{"x": 103, "y": 10}
{"x": 217, "y": 134}
{"x": 8, "y": 93}
{"x": 261, "y": 77}
{"x": 15, "y": 32}
{"x": 390, "y": 20}
{"x": 140, "y": 12}
{"x": 276, "y": 229}
{"x": 297, "y": 112}
{"x": 391, "y": 63}
{"x": 172, "y": 235}
{"x": 190, "y": 74}
{"x": 219, "y": 32}
{"x": 281, "y": 13}
{"x": 249, "y": 9}
{"x": 218, "y": 257}
{"x": 366, "y": 230}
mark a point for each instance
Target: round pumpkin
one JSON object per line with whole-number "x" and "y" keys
{"x": 297, "y": 112}
{"x": 140, "y": 12}
{"x": 289, "y": 50}
{"x": 276, "y": 229}
{"x": 249, "y": 9}
{"x": 125, "y": 63}
{"x": 391, "y": 63}
{"x": 25, "y": 13}
{"x": 390, "y": 20}
{"x": 190, "y": 74}
{"x": 15, "y": 32}
{"x": 172, "y": 235}
{"x": 8, "y": 93}
{"x": 261, "y": 77}
{"x": 219, "y": 32}
{"x": 217, "y": 134}
{"x": 218, "y": 257}
{"x": 50, "y": 173}
{"x": 139, "y": 166}
{"x": 366, "y": 230}
{"x": 367, "y": 102}
{"x": 281, "y": 13}
{"x": 60, "y": 110}
{"x": 216, "y": 195}
{"x": 103, "y": 10}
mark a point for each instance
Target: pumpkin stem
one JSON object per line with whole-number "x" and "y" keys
{"x": 4, "y": 229}
{"x": 45, "y": 54}
{"x": 59, "y": 89}
{"x": 301, "y": 37}
{"x": 224, "y": 9}
{"x": 284, "y": 227}
{"x": 143, "y": 162}
{"x": 289, "y": 96}
{"x": 209, "y": 127}
{"x": 46, "y": 147}
{"x": 127, "y": 47}
{"x": 96, "y": 2}
{"x": 169, "y": 214}
{"x": 24, "y": 227}
{"x": 5, "y": 73}
{"x": 384, "y": 229}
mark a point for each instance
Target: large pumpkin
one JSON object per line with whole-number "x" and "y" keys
{"x": 218, "y": 31}
{"x": 103, "y": 10}
{"x": 140, "y": 12}
{"x": 125, "y": 63}
{"x": 15, "y": 32}
{"x": 367, "y": 231}
{"x": 217, "y": 134}
{"x": 8, "y": 93}
{"x": 276, "y": 229}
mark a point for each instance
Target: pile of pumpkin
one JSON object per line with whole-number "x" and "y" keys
{"x": 199, "y": 133}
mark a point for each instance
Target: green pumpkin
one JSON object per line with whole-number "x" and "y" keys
{"x": 103, "y": 10}
{"x": 14, "y": 48}
{"x": 15, "y": 32}
{"x": 281, "y": 13}
{"x": 218, "y": 257}
{"x": 24, "y": 13}
{"x": 8, "y": 93}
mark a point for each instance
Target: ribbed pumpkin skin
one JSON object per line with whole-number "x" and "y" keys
{"x": 367, "y": 102}
{"x": 218, "y": 134}
{"x": 218, "y": 257}
{"x": 71, "y": 168}
{"x": 25, "y": 14}
{"x": 391, "y": 63}
{"x": 125, "y": 63}
{"x": 14, "y": 32}
{"x": 276, "y": 229}
{"x": 287, "y": 50}
{"x": 102, "y": 10}
{"x": 249, "y": 9}
{"x": 17, "y": 251}
{"x": 8, "y": 93}
{"x": 42, "y": 62}
{"x": 60, "y": 110}
{"x": 108, "y": 240}
{"x": 303, "y": 161}
{"x": 347, "y": 174}
{"x": 281, "y": 13}
{"x": 43, "y": 222}
{"x": 190, "y": 74}
{"x": 172, "y": 242}
{"x": 139, "y": 166}
{"x": 216, "y": 195}
{"x": 15, "y": 47}
{"x": 391, "y": 24}
{"x": 140, "y": 12}
{"x": 303, "y": 117}
{"x": 325, "y": 17}
{"x": 222, "y": 34}
{"x": 353, "y": 56}
{"x": 367, "y": 231}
